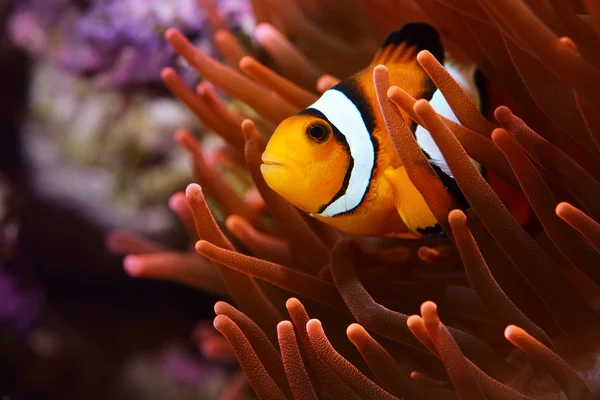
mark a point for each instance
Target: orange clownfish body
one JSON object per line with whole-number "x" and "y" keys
{"x": 336, "y": 161}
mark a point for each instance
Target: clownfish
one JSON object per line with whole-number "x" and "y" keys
{"x": 336, "y": 161}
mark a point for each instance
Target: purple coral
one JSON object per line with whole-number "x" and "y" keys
{"x": 119, "y": 43}
{"x": 19, "y": 308}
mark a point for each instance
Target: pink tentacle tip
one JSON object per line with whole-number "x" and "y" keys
{"x": 413, "y": 320}
{"x": 221, "y": 35}
{"x": 501, "y": 137}
{"x": 193, "y": 190}
{"x": 203, "y": 88}
{"x": 313, "y": 327}
{"x": 423, "y": 55}
{"x": 326, "y": 82}
{"x": 503, "y": 113}
{"x": 422, "y": 106}
{"x": 172, "y": 33}
{"x": 563, "y": 208}
{"x": 263, "y": 31}
{"x": 133, "y": 265}
{"x": 220, "y": 307}
{"x": 177, "y": 202}
{"x": 167, "y": 73}
{"x": 181, "y": 136}
{"x": 220, "y": 321}
{"x": 248, "y": 129}
{"x": 457, "y": 216}
{"x": 202, "y": 245}
{"x": 292, "y": 302}
{"x": 510, "y": 331}
{"x": 429, "y": 311}
{"x": 245, "y": 61}
{"x": 284, "y": 325}
{"x": 235, "y": 223}
{"x": 353, "y": 330}
{"x": 380, "y": 69}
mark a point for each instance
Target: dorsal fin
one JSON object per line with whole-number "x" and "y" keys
{"x": 403, "y": 45}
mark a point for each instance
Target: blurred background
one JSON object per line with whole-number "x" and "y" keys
{"x": 86, "y": 147}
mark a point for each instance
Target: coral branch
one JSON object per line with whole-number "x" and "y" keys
{"x": 581, "y": 222}
{"x": 545, "y": 90}
{"x": 417, "y": 327}
{"x": 332, "y": 384}
{"x": 291, "y": 61}
{"x": 467, "y": 8}
{"x": 591, "y": 117}
{"x": 381, "y": 363}
{"x": 123, "y": 242}
{"x": 229, "y": 47}
{"x": 362, "y": 385}
{"x": 387, "y": 322}
{"x": 265, "y": 246}
{"x": 490, "y": 294}
{"x": 231, "y": 202}
{"x": 298, "y": 378}
{"x": 229, "y": 121}
{"x": 578, "y": 29}
{"x": 493, "y": 389}
{"x": 581, "y": 182}
{"x": 213, "y": 16}
{"x": 267, "y": 104}
{"x": 458, "y": 369}
{"x": 571, "y": 312}
{"x": 510, "y": 279}
{"x": 542, "y": 357}
{"x": 259, "y": 379}
{"x": 465, "y": 110}
{"x": 326, "y": 82}
{"x": 452, "y": 27}
{"x": 426, "y": 381}
{"x": 179, "y": 205}
{"x": 242, "y": 288}
{"x": 199, "y": 107}
{"x": 265, "y": 351}
{"x": 565, "y": 63}
{"x": 543, "y": 203}
{"x": 188, "y": 269}
{"x": 289, "y": 279}
{"x": 479, "y": 147}
{"x": 287, "y": 89}
{"x": 593, "y": 9}
{"x": 417, "y": 167}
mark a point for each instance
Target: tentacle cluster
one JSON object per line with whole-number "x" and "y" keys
{"x": 520, "y": 305}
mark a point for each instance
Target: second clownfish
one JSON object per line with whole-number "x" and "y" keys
{"x": 336, "y": 161}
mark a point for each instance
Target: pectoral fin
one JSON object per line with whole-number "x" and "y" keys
{"x": 410, "y": 203}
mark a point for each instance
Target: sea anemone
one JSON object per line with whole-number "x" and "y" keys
{"x": 520, "y": 306}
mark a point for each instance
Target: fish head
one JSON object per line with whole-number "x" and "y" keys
{"x": 305, "y": 162}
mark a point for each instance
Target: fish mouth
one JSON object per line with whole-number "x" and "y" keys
{"x": 276, "y": 161}
{"x": 269, "y": 159}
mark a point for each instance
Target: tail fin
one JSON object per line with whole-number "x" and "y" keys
{"x": 403, "y": 45}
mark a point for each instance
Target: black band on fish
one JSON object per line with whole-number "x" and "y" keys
{"x": 340, "y": 111}
{"x": 435, "y": 230}
{"x": 344, "y": 143}
{"x": 449, "y": 183}
{"x": 421, "y": 36}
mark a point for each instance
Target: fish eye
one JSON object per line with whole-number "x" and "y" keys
{"x": 318, "y": 132}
